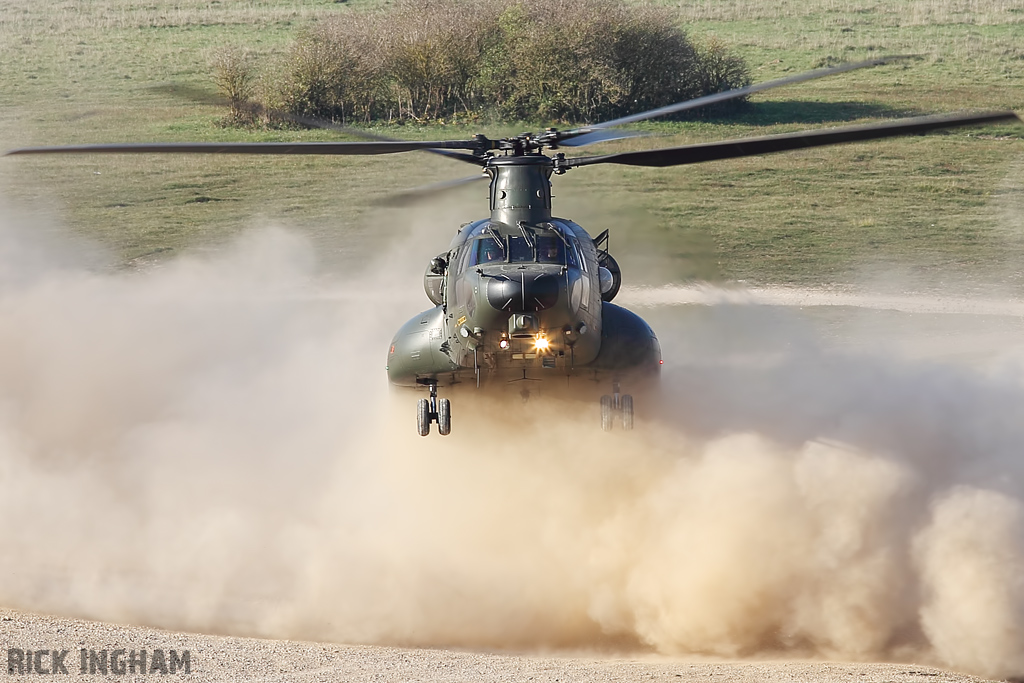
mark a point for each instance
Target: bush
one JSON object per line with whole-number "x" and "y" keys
{"x": 432, "y": 56}
{"x": 721, "y": 71}
{"x": 333, "y": 76}
{"x": 586, "y": 60}
{"x": 562, "y": 60}
{"x": 234, "y": 76}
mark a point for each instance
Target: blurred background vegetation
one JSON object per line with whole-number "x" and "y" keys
{"x": 936, "y": 207}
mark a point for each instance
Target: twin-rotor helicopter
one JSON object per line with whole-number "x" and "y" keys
{"x": 524, "y": 296}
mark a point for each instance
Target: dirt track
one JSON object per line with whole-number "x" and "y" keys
{"x": 217, "y": 658}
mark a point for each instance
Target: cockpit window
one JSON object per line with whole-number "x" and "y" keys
{"x": 572, "y": 253}
{"x": 541, "y": 247}
{"x": 486, "y": 250}
{"x": 519, "y": 249}
{"x": 550, "y": 249}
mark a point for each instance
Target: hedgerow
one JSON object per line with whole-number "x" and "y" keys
{"x": 556, "y": 60}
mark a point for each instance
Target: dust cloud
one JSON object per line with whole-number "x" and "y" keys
{"x": 210, "y": 445}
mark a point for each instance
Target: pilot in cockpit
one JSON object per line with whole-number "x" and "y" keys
{"x": 549, "y": 250}
{"x": 488, "y": 251}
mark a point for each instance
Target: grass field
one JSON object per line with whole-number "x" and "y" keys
{"x": 941, "y": 207}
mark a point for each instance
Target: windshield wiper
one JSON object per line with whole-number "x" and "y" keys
{"x": 496, "y": 237}
{"x": 527, "y": 237}
{"x": 554, "y": 229}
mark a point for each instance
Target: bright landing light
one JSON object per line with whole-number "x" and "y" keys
{"x": 541, "y": 343}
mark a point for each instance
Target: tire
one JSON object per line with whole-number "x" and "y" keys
{"x": 423, "y": 417}
{"x": 626, "y": 403}
{"x": 444, "y": 416}
{"x": 607, "y": 413}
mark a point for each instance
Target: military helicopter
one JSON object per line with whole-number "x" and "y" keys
{"x": 522, "y": 295}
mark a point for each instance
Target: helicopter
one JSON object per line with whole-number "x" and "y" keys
{"x": 523, "y": 295}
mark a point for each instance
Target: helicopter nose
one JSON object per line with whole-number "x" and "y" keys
{"x": 522, "y": 292}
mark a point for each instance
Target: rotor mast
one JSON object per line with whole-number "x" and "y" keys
{"x": 520, "y": 188}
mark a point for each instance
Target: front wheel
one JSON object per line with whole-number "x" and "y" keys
{"x": 626, "y": 403}
{"x": 444, "y": 416}
{"x": 423, "y": 417}
{"x": 607, "y": 413}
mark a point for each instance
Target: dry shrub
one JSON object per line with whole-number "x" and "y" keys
{"x": 234, "y": 75}
{"x": 433, "y": 52}
{"x": 565, "y": 60}
{"x": 587, "y": 60}
{"x": 719, "y": 70}
{"x": 334, "y": 74}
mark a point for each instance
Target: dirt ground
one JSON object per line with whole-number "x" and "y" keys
{"x": 218, "y": 658}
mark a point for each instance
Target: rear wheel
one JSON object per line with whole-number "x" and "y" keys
{"x": 423, "y": 417}
{"x": 444, "y": 416}
{"x": 607, "y": 413}
{"x": 626, "y": 403}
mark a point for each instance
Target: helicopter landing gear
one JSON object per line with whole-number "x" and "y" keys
{"x": 444, "y": 417}
{"x": 434, "y": 409}
{"x": 626, "y": 406}
{"x": 607, "y": 413}
{"x": 616, "y": 403}
{"x": 423, "y": 417}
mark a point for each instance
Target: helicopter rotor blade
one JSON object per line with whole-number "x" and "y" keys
{"x": 357, "y": 132}
{"x": 728, "y": 95}
{"x": 417, "y": 194}
{"x": 313, "y": 122}
{"x": 731, "y": 149}
{"x": 599, "y": 136}
{"x": 204, "y": 96}
{"x": 366, "y": 134}
{"x": 332, "y": 148}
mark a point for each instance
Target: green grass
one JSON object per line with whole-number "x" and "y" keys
{"x": 939, "y": 205}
